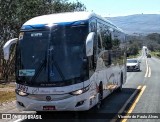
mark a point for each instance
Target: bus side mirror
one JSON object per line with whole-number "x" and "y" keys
{"x": 7, "y": 46}
{"x": 89, "y": 44}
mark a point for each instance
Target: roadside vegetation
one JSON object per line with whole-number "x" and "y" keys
{"x": 156, "y": 54}
{"x": 151, "y": 41}
{"x": 134, "y": 56}
{"x": 134, "y": 46}
{"x": 154, "y": 44}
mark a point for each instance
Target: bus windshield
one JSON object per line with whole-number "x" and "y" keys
{"x": 52, "y": 57}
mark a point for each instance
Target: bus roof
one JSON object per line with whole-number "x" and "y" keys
{"x": 65, "y": 17}
{"x": 60, "y": 17}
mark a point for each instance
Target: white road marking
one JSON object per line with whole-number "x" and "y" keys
{"x": 149, "y": 74}
{"x": 147, "y": 69}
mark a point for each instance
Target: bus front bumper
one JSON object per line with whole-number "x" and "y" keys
{"x": 75, "y": 103}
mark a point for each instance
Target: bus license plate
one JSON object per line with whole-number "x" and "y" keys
{"x": 49, "y": 108}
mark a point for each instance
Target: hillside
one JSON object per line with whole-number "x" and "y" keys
{"x": 139, "y": 23}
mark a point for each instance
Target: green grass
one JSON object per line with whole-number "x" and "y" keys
{"x": 6, "y": 96}
{"x": 156, "y": 54}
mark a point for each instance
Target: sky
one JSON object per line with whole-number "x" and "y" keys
{"x": 112, "y": 8}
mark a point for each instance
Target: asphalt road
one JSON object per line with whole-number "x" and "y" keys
{"x": 150, "y": 99}
{"x": 140, "y": 95}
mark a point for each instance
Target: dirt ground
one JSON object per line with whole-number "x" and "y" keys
{"x": 7, "y": 86}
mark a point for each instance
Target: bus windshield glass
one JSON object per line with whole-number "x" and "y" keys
{"x": 52, "y": 57}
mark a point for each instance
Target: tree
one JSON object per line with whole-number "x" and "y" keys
{"x": 133, "y": 48}
{"x": 153, "y": 42}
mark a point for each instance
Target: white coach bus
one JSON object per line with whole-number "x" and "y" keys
{"x": 67, "y": 62}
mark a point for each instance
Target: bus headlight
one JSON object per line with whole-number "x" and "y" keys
{"x": 21, "y": 93}
{"x": 80, "y": 91}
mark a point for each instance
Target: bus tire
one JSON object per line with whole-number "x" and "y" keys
{"x": 100, "y": 96}
{"x": 120, "y": 87}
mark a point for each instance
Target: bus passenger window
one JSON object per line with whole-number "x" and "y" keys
{"x": 120, "y": 57}
{"x": 113, "y": 58}
{"x": 99, "y": 45}
{"x": 106, "y": 58}
{"x": 99, "y": 42}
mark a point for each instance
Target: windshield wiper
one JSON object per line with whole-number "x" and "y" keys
{"x": 39, "y": 69}
{"x": 43, "y": 64}
{"x": 58, "y": 69}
